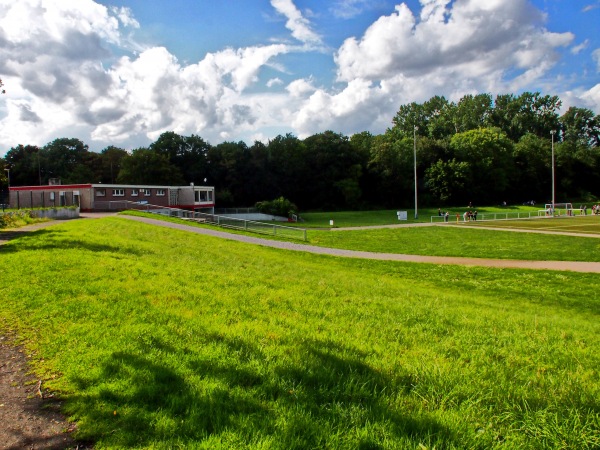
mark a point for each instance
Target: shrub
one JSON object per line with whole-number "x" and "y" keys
{"x": 278, "y": 207}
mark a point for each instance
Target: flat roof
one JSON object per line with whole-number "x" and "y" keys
{"x": 100, "y": 185}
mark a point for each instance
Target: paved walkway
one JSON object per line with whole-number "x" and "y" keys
{"x": 573, "y": 266}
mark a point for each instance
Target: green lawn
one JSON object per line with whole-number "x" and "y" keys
{"x": 446, "y": 240}
{"x": 588, "y": 224}
{"x": 162, "y": 339}
{"x": 390, "y": 217}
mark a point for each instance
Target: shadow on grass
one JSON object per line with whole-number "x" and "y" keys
{"x": 328, "y": 397}
{"x": 52, "y": 239}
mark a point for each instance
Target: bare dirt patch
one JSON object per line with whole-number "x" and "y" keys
{"x": 29, "y": 417}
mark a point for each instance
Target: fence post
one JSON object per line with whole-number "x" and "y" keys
{"x": 274, "y": 230}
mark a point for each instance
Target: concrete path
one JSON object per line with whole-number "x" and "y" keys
{"x": 573, "y": 266}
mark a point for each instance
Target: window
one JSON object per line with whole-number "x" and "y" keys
{"x": 160, "y": 192}
{"x": 147, "y": 192}
{"x": 52, "y": 196}
{"x": 134, "y": 192}
{"x": 210, "y": 196}
{"x": 203, "y": 196}
{"x": 118, "y": 192}
{"x": 100, "y": 192}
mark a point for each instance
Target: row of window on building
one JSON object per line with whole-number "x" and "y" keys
{"x": 134, "y": 192}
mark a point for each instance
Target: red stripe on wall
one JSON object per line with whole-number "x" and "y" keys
{"x": 57, "y": 187}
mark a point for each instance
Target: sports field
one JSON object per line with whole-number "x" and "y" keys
{"x": 578, "y": 224}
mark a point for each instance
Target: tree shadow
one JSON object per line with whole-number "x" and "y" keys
{"x": 53, "y": 239}
{"x": 141, "y": 398}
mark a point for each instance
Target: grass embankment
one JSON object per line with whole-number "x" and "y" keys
{"x": 447, "y": 240}
{"x": 162, "y": 339}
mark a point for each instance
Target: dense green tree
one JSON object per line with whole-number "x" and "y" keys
{"x": 24, "y": 164}
{"x": 288, "y": 169}
{"x": 527, "y": 113}
{"x": 334, "y": 171}
{"x": 145, "y": 166}
{"x": 187, "y": 153}
{"x": 229, "y": 168}
{"x": 472, "y": 112}
{"x": 448, "y": 181}
{"x": 66, "y": 159}
{"x": 488, "y": 152}
{"x": 108, "y": 164}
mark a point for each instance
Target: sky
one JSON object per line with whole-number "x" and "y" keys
{"x": 121, "y": 72}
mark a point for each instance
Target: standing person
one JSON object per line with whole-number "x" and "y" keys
{"x": 475, "y": 216}
{"x": 465, "y": 216}
{"x": 446, "y": 217}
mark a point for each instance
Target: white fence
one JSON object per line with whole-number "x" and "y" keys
{"x": 511, "y": 215}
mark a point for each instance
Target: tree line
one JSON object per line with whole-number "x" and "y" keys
{"x": 479, "y": 150}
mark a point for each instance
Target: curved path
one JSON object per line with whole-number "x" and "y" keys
{"x": 573, "y": 266}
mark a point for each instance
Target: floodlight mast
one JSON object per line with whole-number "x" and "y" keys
{"x": 552, "y": 133}
{"x": 415, "y": 128}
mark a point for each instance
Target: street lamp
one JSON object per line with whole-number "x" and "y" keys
{"x": 415, "y": 128}
{"x": 8, "y": 172}
{"x": 552, "y": 133}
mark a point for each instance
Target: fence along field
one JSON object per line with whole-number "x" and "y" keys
{"x": 224, "y": 221}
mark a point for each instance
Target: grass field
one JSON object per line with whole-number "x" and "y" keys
{"x": 161, "y": 339}
{"x": 390, "y": 217}
{"x": 450, "y": 240}
{"x": 586, "y": 224}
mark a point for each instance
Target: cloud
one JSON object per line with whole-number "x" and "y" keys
{"x": 347, "y": 9}
{"x": 591, "y": 7}
{"x": 579, "y": 48}
{"x": 485, "y": 37}
{"x": 296, "y": 22}
{"x": 74, "y": 70}
{"x": 274, "y": 82}
{"x": 596, "y": 57}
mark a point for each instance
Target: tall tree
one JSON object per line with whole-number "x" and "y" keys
{"x": 145, "y": 166}
{"x": 488, "y": 152}
{"x": 24, "y": 164}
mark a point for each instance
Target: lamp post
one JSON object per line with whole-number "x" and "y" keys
{"x": 415, "y": 128}
{"x": 8, "y": 172}
{"x": 552, "y": 133}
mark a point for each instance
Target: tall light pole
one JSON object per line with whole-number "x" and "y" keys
{"x": 415, "y": 128}
{"x": 8, "y": 172}
{"x": 552, "y": 133}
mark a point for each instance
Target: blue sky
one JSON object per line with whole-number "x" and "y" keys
{"x": 120, "y": 72}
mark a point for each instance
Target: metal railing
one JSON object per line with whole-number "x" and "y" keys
{"x": 214, "y": 219}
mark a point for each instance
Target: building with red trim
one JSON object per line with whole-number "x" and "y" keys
{"x": 107, "y": 197}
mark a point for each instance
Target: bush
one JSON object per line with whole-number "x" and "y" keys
{"x": 278, "y": 207}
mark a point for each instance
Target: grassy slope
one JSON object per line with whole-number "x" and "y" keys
{"x": 450, "y": 241}
{"x": 159, "y": 338}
